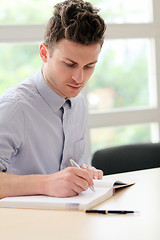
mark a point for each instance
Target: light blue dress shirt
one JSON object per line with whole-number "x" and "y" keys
{"x": 37, "y": 135}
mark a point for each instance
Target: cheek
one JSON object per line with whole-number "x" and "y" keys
{"x": 66, "y": 74}
{"x": 63, "y": 76}
{"x": 88, "y": 75}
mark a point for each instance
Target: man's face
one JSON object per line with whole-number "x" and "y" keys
{"x": 69, "y": 66}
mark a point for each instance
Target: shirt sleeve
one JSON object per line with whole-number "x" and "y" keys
{"x": 11, "y": 132}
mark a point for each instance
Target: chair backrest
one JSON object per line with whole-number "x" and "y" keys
{"x": 127, "y": 158}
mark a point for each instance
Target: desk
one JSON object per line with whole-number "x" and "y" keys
{"x": 24, "y": 224}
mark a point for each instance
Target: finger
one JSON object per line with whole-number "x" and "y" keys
{"x": 97, "y": 173}
{"x": 100, "y": 174}
{"x": 73, "y": 184}
{"x": 87, "y": 167}
{"x": 80, "y": 185}
{"x": 77, "y": 183}
{"x": 92, "y": 171}
{"x": 84, "y": 166}
{"x": 84, "y": 174}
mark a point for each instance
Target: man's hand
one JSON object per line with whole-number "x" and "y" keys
{"x": 68, "y": 182}
{"x": 94, "y": 173}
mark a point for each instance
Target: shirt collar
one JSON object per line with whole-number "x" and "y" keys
{"x": 54, "y": 100}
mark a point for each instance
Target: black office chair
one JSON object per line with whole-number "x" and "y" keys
{"x": 127, "y": 158}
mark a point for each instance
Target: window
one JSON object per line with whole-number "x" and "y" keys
{"x": 18, "y": 61}
{"x": 113, "y": 136}
{"x": 25, "y": 12}
{"x": 123, "y": 65}
{"x": 123, "y": 94}
{"x": 125, "y": 11}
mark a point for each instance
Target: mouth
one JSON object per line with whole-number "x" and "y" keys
{"x": 74, "y": 87}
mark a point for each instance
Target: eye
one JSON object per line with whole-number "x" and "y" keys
{"x": 89, "y": 66}
{"x": 69, "y": 64}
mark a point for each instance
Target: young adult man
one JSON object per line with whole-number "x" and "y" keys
{"x": 43, "y": 119}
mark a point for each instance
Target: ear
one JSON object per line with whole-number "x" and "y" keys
{"x": 43, "y": 51}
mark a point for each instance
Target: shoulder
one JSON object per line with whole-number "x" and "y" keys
{"x": 14, "y": 100}
{"x": 19, "y": 93}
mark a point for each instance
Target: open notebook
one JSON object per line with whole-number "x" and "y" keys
{"x": 85, "y": 200}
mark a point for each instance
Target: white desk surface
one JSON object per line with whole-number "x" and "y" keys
{"x": 144, "y": 196}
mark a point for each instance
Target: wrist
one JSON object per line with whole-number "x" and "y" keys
{"x": 33, "y": 184}
{"x": 42, "y": 184}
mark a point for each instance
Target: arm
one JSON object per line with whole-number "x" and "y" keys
{"x": 66, "y": 183}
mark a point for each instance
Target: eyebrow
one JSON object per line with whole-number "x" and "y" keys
{"x": 77, "y": 63}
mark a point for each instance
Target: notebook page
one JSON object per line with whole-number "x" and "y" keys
{"x": 84, "y": 200}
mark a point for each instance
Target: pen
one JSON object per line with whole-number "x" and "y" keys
{"x": 110, "y": 211}
{"x": 74, "y": 164}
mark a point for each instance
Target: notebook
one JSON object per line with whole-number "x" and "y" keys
{"x": 85, "y": 200}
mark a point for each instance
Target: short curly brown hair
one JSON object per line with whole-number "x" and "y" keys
{"x": 77, "y": 21}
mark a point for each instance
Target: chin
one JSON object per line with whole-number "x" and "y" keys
{"x": 74, "y": 95}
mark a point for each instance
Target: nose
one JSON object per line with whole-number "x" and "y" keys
{"x": 78, "y": 75}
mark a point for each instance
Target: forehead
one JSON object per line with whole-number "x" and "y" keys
{"x": 76, "y": 52}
